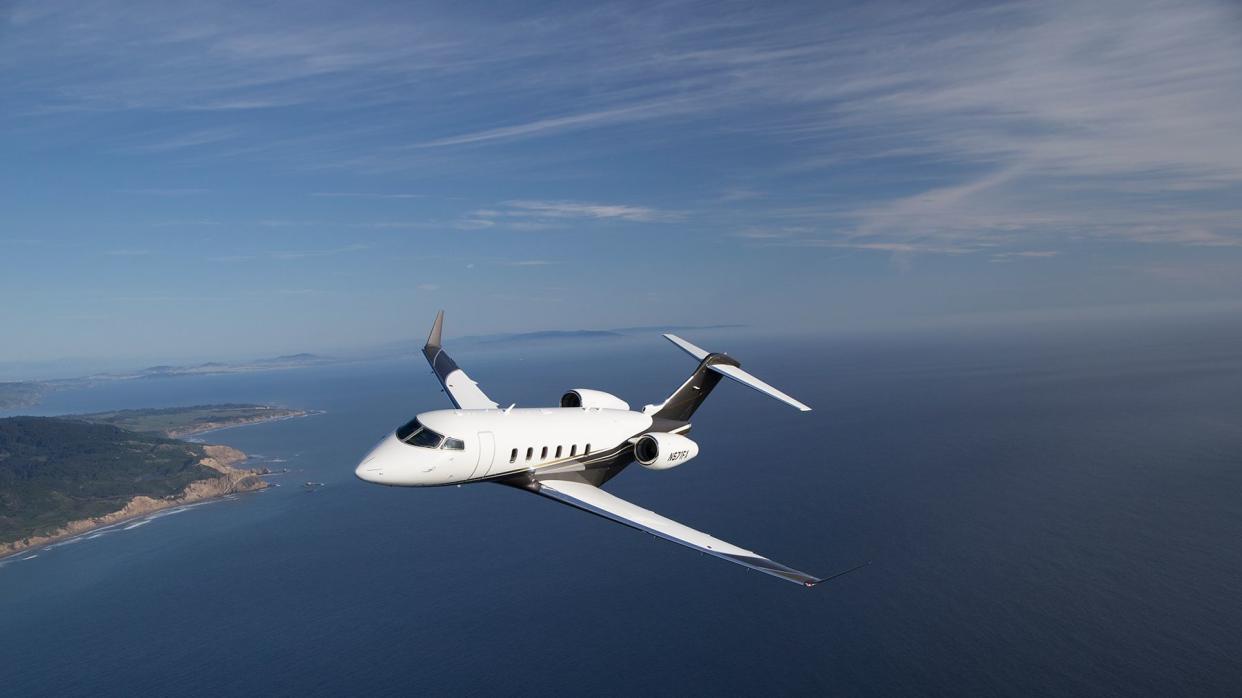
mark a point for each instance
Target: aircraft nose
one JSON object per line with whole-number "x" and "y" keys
{"x": 367, "y": 471}
{"x": 371, "y": 469}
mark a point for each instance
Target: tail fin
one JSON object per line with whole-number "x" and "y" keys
{"x": 686, "y": 399}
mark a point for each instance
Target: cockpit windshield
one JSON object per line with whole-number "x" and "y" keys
{"x": 416, "y": 434}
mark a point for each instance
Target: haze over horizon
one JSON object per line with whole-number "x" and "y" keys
{"x": 247, "y": 180}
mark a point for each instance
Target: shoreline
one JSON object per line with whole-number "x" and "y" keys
{"x": 39, "y": 548}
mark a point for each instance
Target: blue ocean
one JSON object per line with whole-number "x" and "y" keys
{"x": 1049, "y": 511}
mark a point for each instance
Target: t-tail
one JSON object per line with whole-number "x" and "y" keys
{"x": 712, "y": 366}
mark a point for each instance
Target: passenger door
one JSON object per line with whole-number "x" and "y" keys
{"x": 487, "y": 453}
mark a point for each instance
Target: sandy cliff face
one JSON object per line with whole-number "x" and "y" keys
{"x": 219, "y": 458}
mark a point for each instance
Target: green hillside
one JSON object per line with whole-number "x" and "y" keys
{"x": 53, "y": 471}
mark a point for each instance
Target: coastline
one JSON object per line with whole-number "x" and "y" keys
{"x": 209, "y": 428}
{"x": 220, "y": 458}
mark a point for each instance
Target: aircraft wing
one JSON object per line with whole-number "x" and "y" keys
{"x": 595, "y": 500}
{"x": 464, "y": 392}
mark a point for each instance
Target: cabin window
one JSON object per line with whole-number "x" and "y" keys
{"x": 513, "y": 456}
{"x": 454, "y": 444}
{"x": 530, "y": 451}
{"x": 573, "y": 450}
{"x": 543, "y": 455}
{"x": 558, "y": 451}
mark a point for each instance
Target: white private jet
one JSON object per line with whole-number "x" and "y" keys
{"x": 565, "y": 453}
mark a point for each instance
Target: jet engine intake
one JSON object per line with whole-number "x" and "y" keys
{"x": 661, "y": 451}
{"x": 583, "y": 397}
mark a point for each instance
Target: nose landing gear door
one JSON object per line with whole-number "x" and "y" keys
{"x": 487, "y": 453}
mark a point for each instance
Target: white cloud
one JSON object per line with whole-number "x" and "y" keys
{"x": 365, "y": 195}
{"x": 474, "y": 224}
{"x": 572, "y": 209}
{"x": 170, "y": 192}
{"x": 1005, "y": 257}
{"x": 528, "y": 263}
{"x": 303, "y": 254}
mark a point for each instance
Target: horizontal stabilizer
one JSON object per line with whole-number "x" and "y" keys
{"x": 750, "y": 381}
{"x": 723, "y": 365}
{"x": 687, "y": 347}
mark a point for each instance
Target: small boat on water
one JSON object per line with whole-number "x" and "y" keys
{"x": 312, "y": 486}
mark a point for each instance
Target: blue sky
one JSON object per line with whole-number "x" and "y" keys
{"x": 242, "y": 179}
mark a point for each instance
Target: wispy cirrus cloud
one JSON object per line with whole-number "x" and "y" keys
{"x": 1029, "y": 123}
{"x": 181, "y": 141}
{"x": 570, "y": 122}
{"x": 288, "y": 255}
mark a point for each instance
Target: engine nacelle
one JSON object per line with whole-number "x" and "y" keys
{"x": 661, "y": 451}
{"x": 582, "y": 397}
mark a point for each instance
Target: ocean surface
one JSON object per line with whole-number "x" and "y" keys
{"x": 1047, "y": 512}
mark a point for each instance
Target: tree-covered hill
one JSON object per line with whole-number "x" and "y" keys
{"x": 53, "y": 471}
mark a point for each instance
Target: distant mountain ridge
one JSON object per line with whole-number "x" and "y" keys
{"x": 214, "y": 367}
{"x": 21, "y": 394}
{"x": 582, "y": 334}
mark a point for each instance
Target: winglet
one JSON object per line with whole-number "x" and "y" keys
{"x": 812, "y": 582}
{"x": 433, "y": 339}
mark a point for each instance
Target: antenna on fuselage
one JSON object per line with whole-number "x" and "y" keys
{"x": 510, "y": 408}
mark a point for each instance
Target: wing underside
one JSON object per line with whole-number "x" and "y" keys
{"x": 464, "y": 392}
{"x": 595, "y": 500}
